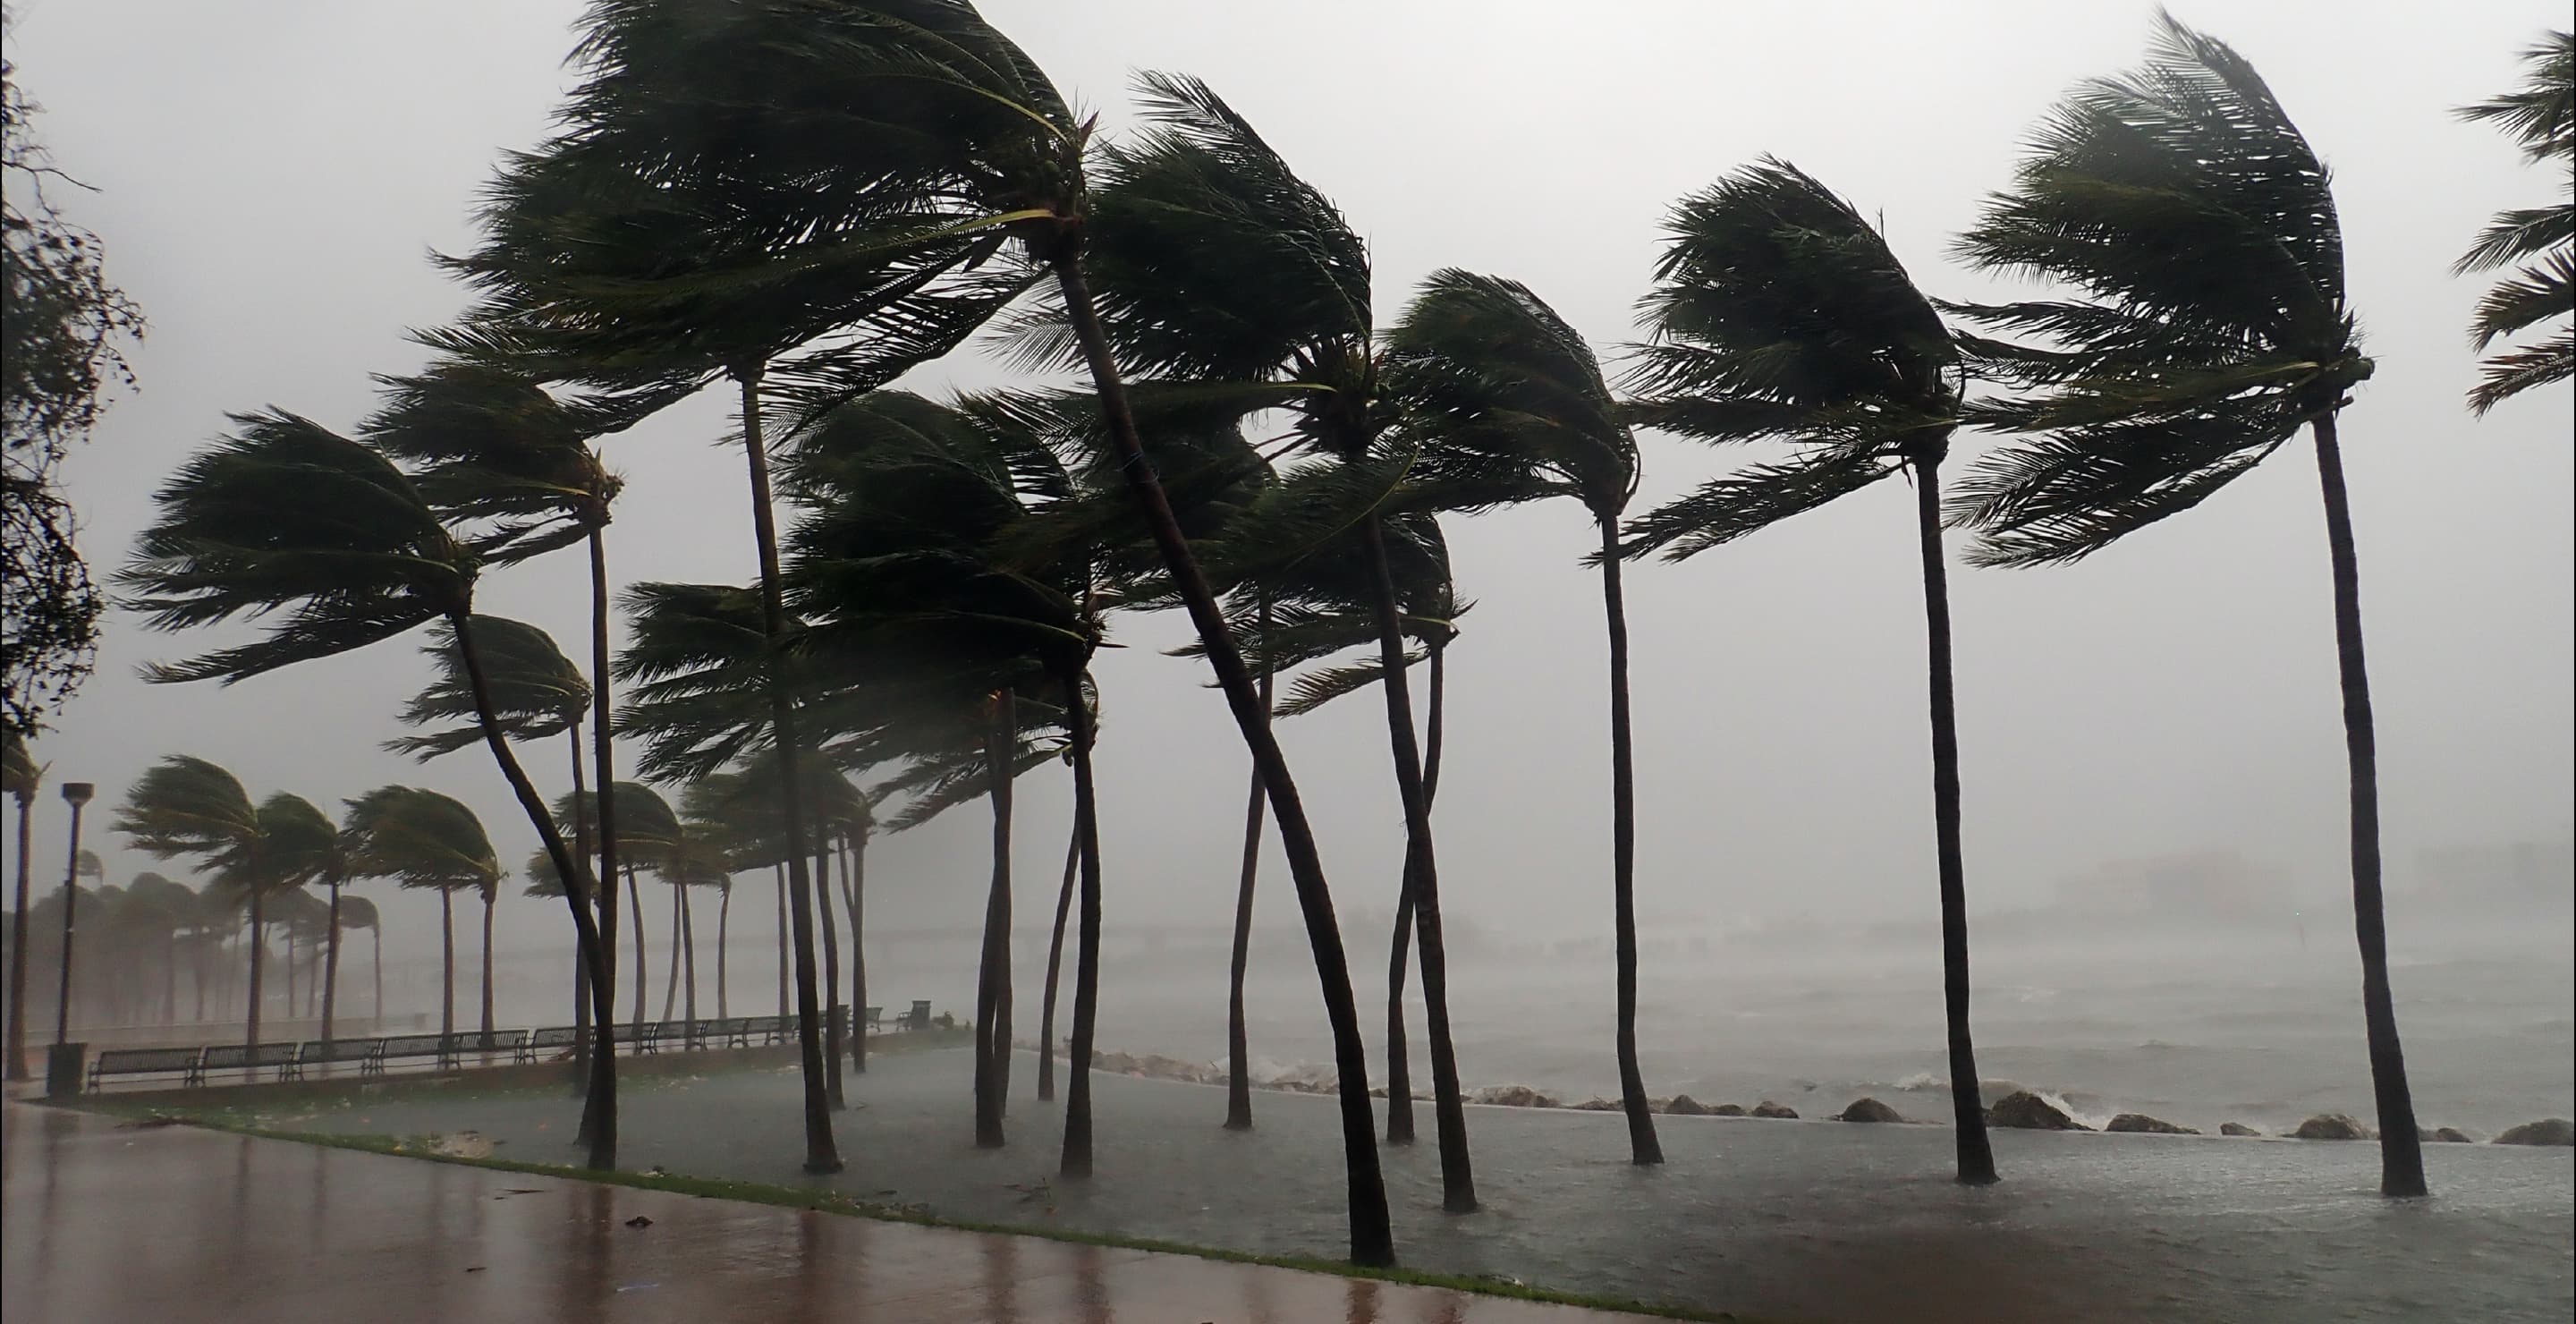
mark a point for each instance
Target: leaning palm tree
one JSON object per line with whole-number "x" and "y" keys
{"x": 422, "y": 839}
{"x": 923, "y": 141}
{"x": 2541, "y": 115}
{"x": 357, "y": 912}
{"x": 21, "y": 777}
{"x": 1779, "y": 314}
{"x": 2209, "y": 327}
{"x": 172, "y": 908}
{"x": 288, "y": 520}
{"x": 1507, "y": 404}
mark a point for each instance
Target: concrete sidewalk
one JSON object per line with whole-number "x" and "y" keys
{"x": 104, "y": 1224}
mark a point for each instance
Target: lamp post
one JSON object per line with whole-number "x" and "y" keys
{"x": 63, "y": 1062}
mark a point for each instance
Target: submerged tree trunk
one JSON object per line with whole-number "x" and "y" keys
{"x": 1086, "y": 960}
{"x": 1055, "y": 962}
{"x": 1372, "y": 1230}
{"x": 2401, "y": 1150}
{"x": 1643, "y": 1145}
{"x": 1448, "y": 1110}
{"x": 831, "y": 971}
{"x": 1976, "y": 1152}
{"x": 992, "y": 1041}
{"x": 821, "y": 1154}
{"x": 1238, "y": 1043}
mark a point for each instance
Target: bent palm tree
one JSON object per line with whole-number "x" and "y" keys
{"x": 1508, "y": 405}
{"x": 422, "y": 839}
{"x": 2541, "y": 115}
{"x": 2211, "y": 326}
{"x": 286, "y": 518}
{"x": 1779, "y": 314}
{"x": 21, "y": 777}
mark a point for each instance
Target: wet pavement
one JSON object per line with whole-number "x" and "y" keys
{"x": 104, "y": 1224}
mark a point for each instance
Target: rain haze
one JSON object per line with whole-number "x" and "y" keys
{"x": 2155, "y": 794}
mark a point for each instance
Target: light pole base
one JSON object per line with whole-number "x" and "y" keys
{"x": 63, "y": 1070}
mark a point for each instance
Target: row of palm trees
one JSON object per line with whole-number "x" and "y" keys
{"x": 802, "y": 201}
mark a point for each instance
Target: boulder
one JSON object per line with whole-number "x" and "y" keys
{"x": 1867, "y": 1110}
{"x": 2554, "y": 1131}
{"x": 2150, "y": 1125}
{"x": 1596, "y": 1106}
{"x": 2448, "y": 1135}
{"x": 1767, "y": 1108}
{"x": 1513, "y": 1096}
{"x": 1727, "y": 1110}
{"x": 1684, "y": 1105}
{"x": 2022, "y": 1110}
{"x": 2330, "y": 1126}
{"x": 2236, "y": 1129}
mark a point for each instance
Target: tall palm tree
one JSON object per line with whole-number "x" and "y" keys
{"x": 187, "y": 806}
{"x": 172, "y": 908}
{"x": 1219, "y": 264}
{"x": 1508, "y": 400}
{"x": 21, "y": 777}
{"x": 494, "y": 452}
{"x": 2208, "y": 327}
{"x": 304, "y": 845}
{"x": 1779, "y": 314}
{"x": 287, "y": 519}
{"x": 2540, "y": 115}
{"x": 357, "y": 912}
{"x": 422, "y": 839}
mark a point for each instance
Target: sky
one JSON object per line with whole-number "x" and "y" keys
{"x": 272, "y": 175}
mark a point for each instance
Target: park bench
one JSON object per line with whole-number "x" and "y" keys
{"x": 405, "y": 1047}
{"x": 566, "y": 1037}
{"x": 770, "y": 1030}
{"x": 919, "y": 1017}
{"x": 316, "y": 1052}
{"x": 475, "y": 1043}
{"x": 646, "y": 1037}
{"x": 147, "y": 1061}
{"x": 872, "y": 1018}
{"x": 247, "y": 1057}
{"x": 727, "y": 1032}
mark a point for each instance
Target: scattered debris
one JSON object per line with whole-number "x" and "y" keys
{"x": 638, "y": 1221}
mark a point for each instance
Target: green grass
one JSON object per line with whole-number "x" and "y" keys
{"x": 834, "y": 1202}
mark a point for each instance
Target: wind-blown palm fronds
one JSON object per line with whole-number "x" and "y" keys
{"x": 2540, "y": 115}
{"x": 536, "y": 691}
{"x": 422, "y": 839}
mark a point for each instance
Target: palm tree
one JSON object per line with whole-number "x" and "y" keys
{"x": 305, "y": 846}
{"x": 422, "y": 839}
{"x": 21, "y": 777}
{"x": 1778, "y": 313}
{"x": 1509, "y": 405}
{"x": 289, "y": 520}
{"x": 2198, "y": 227}
{"x": 172, "y": 908}
{"x": 494, "y": 451}
{"x": 357, "y": 912}
{"x": 2541, "y": 115}
{"x": 186, "y": 806}
{"x": 1218, "y": 264}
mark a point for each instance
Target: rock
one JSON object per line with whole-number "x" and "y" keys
{"x": 1727, "y": 1110}
{"x": 1683, "y": 1105}
{"x": 2022, "y": 1110}
{"x": 2448, "y": 1135}
{"x": 1513, "y": 1096}
{"x": 2237, "y": 1129}
{"x": 1596, "y": 1106}
{"x": 2330, "y": 1126}
{"x": 2555, "y": 1131}
{"x": 2150, "y": 1125}
{"x": 1767, "y": 1108}
{"x": 1867, "y": 1110}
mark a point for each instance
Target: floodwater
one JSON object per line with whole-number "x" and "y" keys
{"x": 1791, "y": 1220}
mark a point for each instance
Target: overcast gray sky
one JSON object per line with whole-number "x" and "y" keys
{"x": 273, "y": 174}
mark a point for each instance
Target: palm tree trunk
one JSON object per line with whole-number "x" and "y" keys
{"x": 831, "y": 929}
{"x": 1001, "y": 741}
{"x": 671, "y": 981}
{"x": 376, "y": 968}
{"x": 1372, "y": 1230}
{"x": 170, "y": 975}
{"x": 688, "y": 964}
{"x": 1238, "y": 1047}
{"x": 330, "y": 972}
{"x": 1399, "y": 1067}
{"x": 643, "y": 968}
{"x": 290, "y": 972}
{"x": 1448, "y": 1110}
{"x": 2401, "y": 1150}
{"x": 1643, "y": 1146}
{"x": 490, "y": 894}
{"x": 447, "y": 962}
{"x": 581, "y": 973}
{"x": 17, "y": 1046}
{"x": 586, "y": 934}
{"x": 821, "y": 1155}
{"x": 599, "y": 1106}
{"x": 1976, "y": 1153}
{"x": 1086, "y": 961}
{"x": 724, "y": 936}
{"x": 855, "y": 885}
{"x": 258, "y": 943}
{"x": 778, "y": 876}
{"x": 1055, "y": 963}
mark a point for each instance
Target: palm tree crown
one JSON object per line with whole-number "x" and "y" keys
{"x": 2541, "y": 115}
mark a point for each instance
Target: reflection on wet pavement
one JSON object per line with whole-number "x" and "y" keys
{"x": 106, "y": 1224}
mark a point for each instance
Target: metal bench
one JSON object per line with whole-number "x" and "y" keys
{"x": 317, "y": 1052}
{"x": 147, "y": 1061}
{"x": 405, "y": 1047}
{"x": 919, "y": 1017}
{"x": 247, "y": 1057}
{"x": 644, "y": 1038}
{"x": 770, "y": 1030}
{"x": 872, "y": 1018}
{"x": 480, "y": 1044}
{"x": 566, "y": 1037}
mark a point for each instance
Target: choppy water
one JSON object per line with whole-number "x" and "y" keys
{"x": 1792, "y": 1220}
